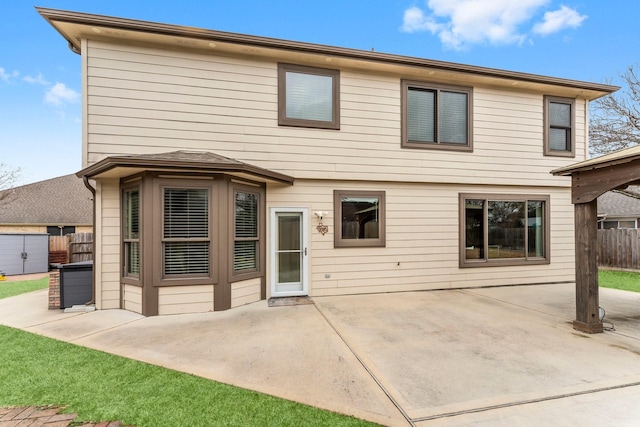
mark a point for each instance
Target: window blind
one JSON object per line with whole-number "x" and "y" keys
{"x": 453, "y": 117}
{"x": 421, "y": 115}
{"x": 246, "y": 231}
{"x": 309, "y": 96}
{"x": 186, "y": 231}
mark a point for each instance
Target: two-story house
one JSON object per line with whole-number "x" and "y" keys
{"x": 231, "y": 168}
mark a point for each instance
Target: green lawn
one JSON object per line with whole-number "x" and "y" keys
{"x": 625, "y": 280}
{"x": 9, "y": 289}
{"x": 35, "y": 370}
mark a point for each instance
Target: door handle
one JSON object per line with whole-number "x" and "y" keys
{"x": 305, "y": 251}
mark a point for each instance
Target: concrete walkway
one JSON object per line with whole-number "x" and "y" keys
{"x": 494, "y": 356}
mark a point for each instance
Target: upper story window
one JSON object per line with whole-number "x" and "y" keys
{"x": 559, "y": 125}
{"x": 308, "y": 97}
{"x": 436, "y": 116}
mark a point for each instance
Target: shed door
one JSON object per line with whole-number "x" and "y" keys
{"x": 11, "y": 248}
{"x": 24, "y": 253}
{"x": 36, "y": 250}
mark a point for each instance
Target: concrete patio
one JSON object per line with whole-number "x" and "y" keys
{"x": 491, "y": 356}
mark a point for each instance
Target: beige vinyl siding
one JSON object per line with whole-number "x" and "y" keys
{"x": 245, "y": 292}
{"x": 132, "y": 298}
{"x": 146, "y": 100}
{"x": 185, "y": 299}
{"x": 107, "y": 244}
{"x": 421, "y": 240}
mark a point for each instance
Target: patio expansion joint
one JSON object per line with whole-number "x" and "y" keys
{"x": 101, "y": 330}
{"x": 367, "y": 369}
{"x": 470, "y": 292}
{"x": 525, "y": 402}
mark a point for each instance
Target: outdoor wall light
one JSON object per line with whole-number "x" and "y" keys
{"x": 322, "y": 229}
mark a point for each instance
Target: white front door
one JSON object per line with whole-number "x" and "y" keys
{"x": 289, "y": 252}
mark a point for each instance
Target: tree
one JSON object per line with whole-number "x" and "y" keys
{"x": 615, "y": 118}
{"x": 8, "y": 178}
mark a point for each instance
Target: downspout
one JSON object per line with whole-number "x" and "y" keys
{"x": 85, "y": 180}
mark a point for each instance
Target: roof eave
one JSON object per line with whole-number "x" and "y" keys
{"x": 53, "y": 15}
{"x": 110, "y": 163}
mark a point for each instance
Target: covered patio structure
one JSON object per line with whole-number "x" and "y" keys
{"x": 590, "y": 179}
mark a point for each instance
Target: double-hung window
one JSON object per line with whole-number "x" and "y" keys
{"x": 308, "y": 97}
{"x": 246, "y": 231}
{"x": 436, "y": 116}
{"x": 503, "y": 229}
{"x": 185, "y": 234}
{"x": 131, "y": 232}
{"x": 559, "y": 124}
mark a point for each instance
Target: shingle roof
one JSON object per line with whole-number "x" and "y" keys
{"x": 620, "y": 203}
{"x": 58, "y": 201}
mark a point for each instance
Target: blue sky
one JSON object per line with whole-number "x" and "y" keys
{"x": 40, "y": 81}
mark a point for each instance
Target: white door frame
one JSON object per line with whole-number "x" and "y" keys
{"x": 304, "y": 234}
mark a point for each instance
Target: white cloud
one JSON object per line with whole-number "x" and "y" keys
{"x": 6, "y": 76}
{"x": 59, "y": 94}
{"x": 461, "y": 23}
{"x": 559, "y": 20}
{"x": 39, "y": 79}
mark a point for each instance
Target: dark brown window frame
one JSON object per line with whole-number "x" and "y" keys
{"x": 221, "y": 227}
{"x": 547, "y": 150}
{"x": 283, "y": 120}
{"x": 338, "y": 241}
{"x": 405, "y": 143}
{"x": 125, "y": 277}
{"x": 235, "y": 187}
{"x": 159, "y": 184}
{"x": 464, "y": 263}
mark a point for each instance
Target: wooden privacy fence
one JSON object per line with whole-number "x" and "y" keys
{"x": 74, "y": 247}
{"x": 619, "y": 248}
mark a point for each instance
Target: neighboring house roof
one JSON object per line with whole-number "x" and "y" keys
{"x": 58, "y": 201}
{"x": 620, "y": 203}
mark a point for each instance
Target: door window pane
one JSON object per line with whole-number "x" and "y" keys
{"x": 289, "y": 250}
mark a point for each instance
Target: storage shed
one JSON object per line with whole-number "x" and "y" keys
{"x": 24, "y": 253}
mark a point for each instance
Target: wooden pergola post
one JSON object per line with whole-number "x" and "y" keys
{"x": 586, "y": 243}
{"x": 590, "y": 179}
